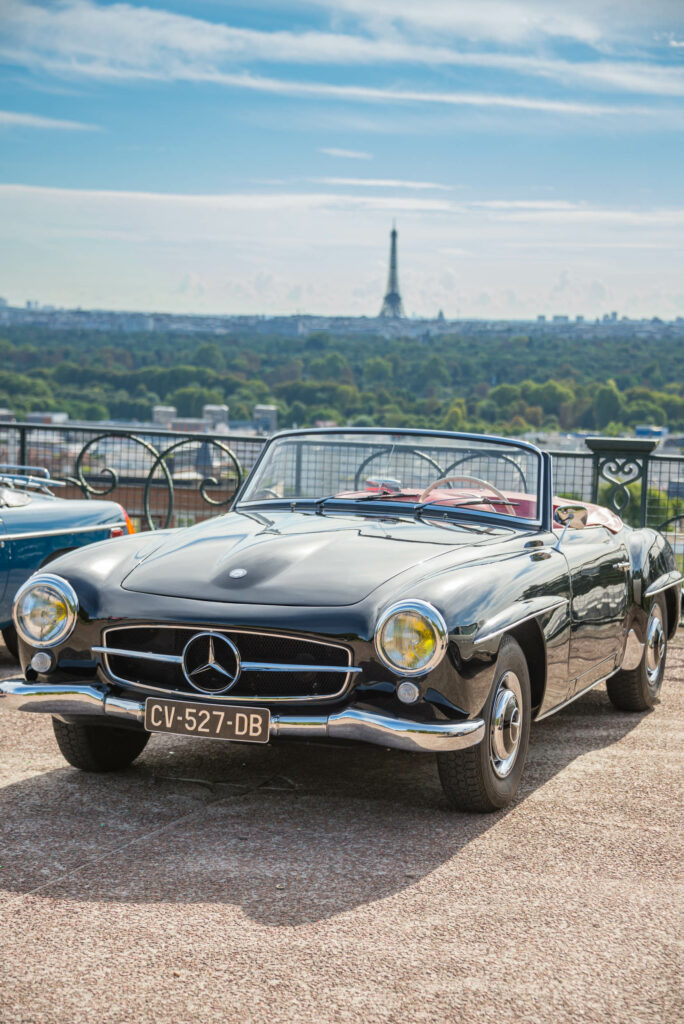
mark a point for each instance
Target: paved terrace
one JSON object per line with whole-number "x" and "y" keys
{"x": 219, "y": 883}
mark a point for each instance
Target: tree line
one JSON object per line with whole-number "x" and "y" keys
{"x": 505, "y": 382}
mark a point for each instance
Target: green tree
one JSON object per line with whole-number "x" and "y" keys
{"x": 607, "y": 405}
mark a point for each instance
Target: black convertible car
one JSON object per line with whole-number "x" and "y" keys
{"x": 413, "y": 589}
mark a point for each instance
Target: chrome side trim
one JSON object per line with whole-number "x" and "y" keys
{"x": 65, "y": 531}
{"x": 511, "y": 624}
{"x": 575, "y": 696}
{"x": 349, "y": 670}
{"x": 353, "y": 723}
{"x": 664, "y": 582}
{"x": 171, "y": 659}
{"x": 276, "y": 666}
{"x": 247, "y": 666}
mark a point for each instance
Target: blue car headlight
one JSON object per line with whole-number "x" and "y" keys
{"x": 45, "y": 610}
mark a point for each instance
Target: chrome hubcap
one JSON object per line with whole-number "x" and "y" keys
{"x": 655, "y": 644}
{"x": 505, "y": 724}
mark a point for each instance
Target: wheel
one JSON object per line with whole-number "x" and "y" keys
{"x": 486, "y": 777}
{"x": 9, "y": 635}
{"x": 637, "y": 689}
{"x": 99, "y": 748}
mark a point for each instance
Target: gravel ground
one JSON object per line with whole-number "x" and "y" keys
{"x": 299, "y": 883}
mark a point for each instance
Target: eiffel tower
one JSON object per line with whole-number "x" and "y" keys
{"x": 392, "y": 305}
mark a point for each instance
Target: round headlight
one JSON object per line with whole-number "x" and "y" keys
{"x": 45, "y": 610}
{"x": 411, "y": 637}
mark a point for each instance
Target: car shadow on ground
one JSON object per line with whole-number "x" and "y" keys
{"x": 291, "y": 833}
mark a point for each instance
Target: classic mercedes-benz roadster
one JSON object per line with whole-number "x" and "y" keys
{"x": 413, "y": 589}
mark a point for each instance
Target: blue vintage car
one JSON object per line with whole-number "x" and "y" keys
{"x": 36, "y": 527}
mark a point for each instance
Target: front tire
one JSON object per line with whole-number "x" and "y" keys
{"x": 98, "y": 748}
{"x": 9, "y": 635}
{"x": 637, "y": 689}
{"x": 486, "y": 777}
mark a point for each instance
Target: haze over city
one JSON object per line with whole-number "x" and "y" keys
{"x": 216, "y": 157}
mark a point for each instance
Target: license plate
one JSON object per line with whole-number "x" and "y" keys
{"x": 246, "y": 725}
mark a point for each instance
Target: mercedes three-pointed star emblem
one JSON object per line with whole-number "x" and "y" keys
{"x": 211, "y": 663}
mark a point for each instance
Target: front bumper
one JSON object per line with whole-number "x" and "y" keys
{"x": 353, "y": 723}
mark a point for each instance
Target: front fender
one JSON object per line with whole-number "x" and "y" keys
{"x": 654, "y": 571}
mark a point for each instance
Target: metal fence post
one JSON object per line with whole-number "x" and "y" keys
{"x": 619, "y": 462}
{"x": 23, "y": 459}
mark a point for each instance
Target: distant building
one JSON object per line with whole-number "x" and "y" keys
{"x": 649, "y": 430}
{"x": 265, "y": 418}
{"x": 215, "y": 416}
{"x": 560, "y": 319}
{"x": 163, "y": 415}
{"x": 541, "y": 319}
{"x": 53, "y": 418}
{"x": 189, "y": 425}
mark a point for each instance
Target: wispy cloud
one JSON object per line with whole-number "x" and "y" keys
{"x": 372, "y": 94}
{"x": 505, "y": 210}
{"x": 346, "y": 154}
{"x": 12, "y": 119}
{"x": 591, "y": 22}
{"x": 241, "y": 201}
{"x": 283, "y": 243}
{"x": 121, "y": 41}
{"x": 381, "y": 183}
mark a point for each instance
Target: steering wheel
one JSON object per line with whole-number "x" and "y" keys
{"x": 467, "y": 480}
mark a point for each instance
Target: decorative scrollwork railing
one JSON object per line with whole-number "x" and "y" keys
{"x": 207, "y": 481}
{"x": 619, "y": 463}
{"x": 157, "y": 471}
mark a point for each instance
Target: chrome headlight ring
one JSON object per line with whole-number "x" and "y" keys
{"x": 61, "y": 593}
{"x": 431, "y": 617}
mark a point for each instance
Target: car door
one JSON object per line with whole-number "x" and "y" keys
{"x": 598, "y": 563}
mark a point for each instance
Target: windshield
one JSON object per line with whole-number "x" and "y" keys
{"x": 415, "y": 470}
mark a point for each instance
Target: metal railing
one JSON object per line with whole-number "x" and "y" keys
{"x": 162, "y": 478}
{"x": 166, "y": 478}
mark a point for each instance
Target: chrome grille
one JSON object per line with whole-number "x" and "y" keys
{"x": 275, "y": 666}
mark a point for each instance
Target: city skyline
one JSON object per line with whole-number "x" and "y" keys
{"x": 214, "y": 158}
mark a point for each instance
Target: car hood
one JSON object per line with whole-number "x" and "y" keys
{"x": 290, "y": 558}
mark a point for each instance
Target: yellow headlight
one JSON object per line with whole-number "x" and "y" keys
{"x": 411, "y": 637}
{"x": 45, "y": 610}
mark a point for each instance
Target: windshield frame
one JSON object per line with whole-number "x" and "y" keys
{"x": 406, "y": 509}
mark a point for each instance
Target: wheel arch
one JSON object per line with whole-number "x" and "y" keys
{"x": 531, "y": 640}
{"x": 56, "y": 554}
{"x": 673, "y": 605}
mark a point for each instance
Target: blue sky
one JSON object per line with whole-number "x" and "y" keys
{"x": 249, "y": 157}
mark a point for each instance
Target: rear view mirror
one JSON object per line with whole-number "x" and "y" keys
{"x": 572, "y": 516}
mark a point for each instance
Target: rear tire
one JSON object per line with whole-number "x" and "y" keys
{"x": 98, "y": 748}
{"x": 486, "y": 777}
{"x": 9, "y": 635}
{"x": 637, "y": 689}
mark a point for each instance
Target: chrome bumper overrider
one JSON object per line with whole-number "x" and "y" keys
{"x": 350, "y": 724}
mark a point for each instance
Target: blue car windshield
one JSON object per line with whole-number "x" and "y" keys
{"x": 407, "y": 469}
